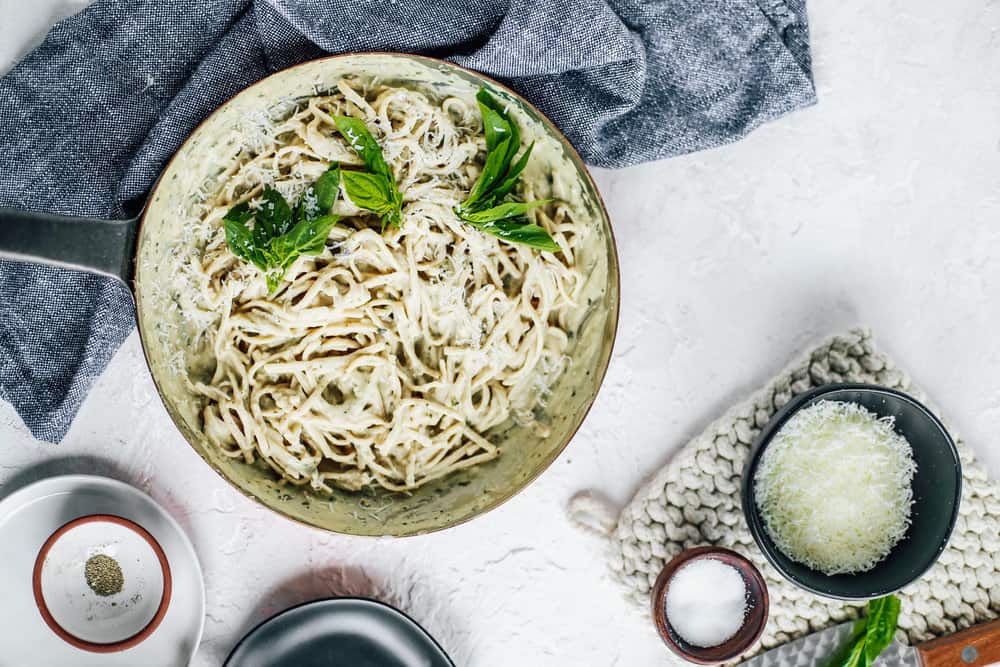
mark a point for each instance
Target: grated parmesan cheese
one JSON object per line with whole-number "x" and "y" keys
{"x": 834, "y": 487}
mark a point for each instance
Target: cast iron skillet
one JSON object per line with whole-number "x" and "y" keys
{"x": 138, "y": 251}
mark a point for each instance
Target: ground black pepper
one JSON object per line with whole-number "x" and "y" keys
{"x": 104, "y": 575}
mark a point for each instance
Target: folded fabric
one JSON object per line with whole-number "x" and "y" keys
{"x": 89, "y": 119}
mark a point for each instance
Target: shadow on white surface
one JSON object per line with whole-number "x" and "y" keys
{"x": 80, "y": 464}
{"x": 824, "y": 312}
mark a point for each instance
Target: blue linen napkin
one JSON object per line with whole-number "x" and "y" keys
{"x": 89, "y": 119}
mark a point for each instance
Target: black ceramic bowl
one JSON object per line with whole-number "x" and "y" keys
{"x": 937, "y": 491}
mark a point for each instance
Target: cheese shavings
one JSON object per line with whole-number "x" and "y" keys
{"x": 834, "y": 487}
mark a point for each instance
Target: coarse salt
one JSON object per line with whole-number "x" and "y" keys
{"x": 706, "y": 602}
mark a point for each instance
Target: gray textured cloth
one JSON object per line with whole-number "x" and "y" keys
{"x": 90, "y": 118}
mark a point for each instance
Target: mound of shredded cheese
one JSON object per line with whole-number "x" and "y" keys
{"x": 834, "y": 487}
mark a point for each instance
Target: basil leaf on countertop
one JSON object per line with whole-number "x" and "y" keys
{"x": 856, "y": 658}
{"x": 872, "y": 634}
{"x": 883, "y": 614}
{"x": 374, "y": 190}
{"x": 278, "y": 238}
{"x": 486, "y": 207}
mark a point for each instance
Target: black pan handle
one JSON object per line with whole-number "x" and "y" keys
{"x": 106, "y": 247}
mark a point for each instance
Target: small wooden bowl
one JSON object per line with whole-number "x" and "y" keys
{"x": 753, "y": 624}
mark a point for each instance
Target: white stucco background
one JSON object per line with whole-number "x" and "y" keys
{"x": 881, "y": 205}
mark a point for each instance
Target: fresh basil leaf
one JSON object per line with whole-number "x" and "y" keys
{"x": 278, "y": 238}
{"x": 506, "y": 186}
{"x": 368, "y": 191}
{"x": 856, "y": 658}
{"x": 375, "y": 191}
{"x": 485, "y": 207}
{"x": 487, "y": 101}
{"x": 512, "y": 148}
{"x": 326, "y": 188}
{"x": 502, "y": 212}
{"x": 307, "y": 237}
{"x": 269, "y": 258}
{"x": 274, "y": 278}
{"x": 319, "y": 197}
{"x": 844, "y": 652}
{"x": 496, "y": 128}
{"x": 272, "y": 218}
{"x": 306, "y": 209}
{"x": 239, "y": 238}
{"x": 394, "y": 219}
{"x": 241, "y": 213}
{"x": 871, "y": 634}
{"x": 883, "y": 615}
{"x": 493, "y": 170}
{"x": 859, "y": 629}
{"x": 519, "y": 231}
{"x": 362, "y": 141}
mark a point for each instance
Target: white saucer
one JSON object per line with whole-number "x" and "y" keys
{"x": 30, "y": 515}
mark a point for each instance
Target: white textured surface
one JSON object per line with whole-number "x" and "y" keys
{"x": 881, "y": 205}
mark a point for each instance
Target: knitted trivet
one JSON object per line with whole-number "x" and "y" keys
{"x": 695, "y": 500}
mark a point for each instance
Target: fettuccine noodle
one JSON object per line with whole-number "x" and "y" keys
{"x": 387, "y": 358}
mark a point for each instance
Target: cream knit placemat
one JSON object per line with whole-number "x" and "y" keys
{"x": 695, "y": 500}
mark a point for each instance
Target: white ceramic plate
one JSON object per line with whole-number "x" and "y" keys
{"x": 30, "y": 515}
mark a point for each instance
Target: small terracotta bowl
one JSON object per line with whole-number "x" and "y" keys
{"x": 83, "y": 617}
{"x": 753, "y": 624}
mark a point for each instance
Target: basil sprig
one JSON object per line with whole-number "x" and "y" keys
{"x": 872, "y": 634}
{"x": 485, "y": 208}
{"x": 280, "y": 235}
{"x": 373, "y": 190}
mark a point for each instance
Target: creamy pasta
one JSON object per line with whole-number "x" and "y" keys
{"x": 388, "y": 358}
